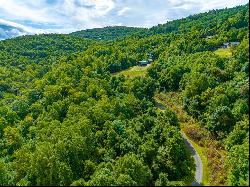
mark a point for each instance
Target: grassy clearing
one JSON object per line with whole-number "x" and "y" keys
{"x": 225, "y": 53}
{"x": 136, "y": 71}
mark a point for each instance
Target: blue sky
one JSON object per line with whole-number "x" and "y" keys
{"x": 64, "y": 16}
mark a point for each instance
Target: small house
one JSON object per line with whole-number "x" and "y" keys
{"x": 148, "y": 61}
{"x": 225, "y": 45}
{"x": 229, "y": 44}
{"x": 143, "y": 63}
{"x": 235, "y": 43}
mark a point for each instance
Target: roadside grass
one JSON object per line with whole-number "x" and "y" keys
{"x": 210, "y": 150}
{"x": 159, "y": 103}
{"x": 225, "y": 53}
{"x": 136, "y": 71}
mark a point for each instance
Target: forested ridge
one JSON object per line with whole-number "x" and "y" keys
{"x": 65, "y": 119}
{"x": 109, "y": 33}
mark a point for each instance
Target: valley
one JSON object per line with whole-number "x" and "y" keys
{"x": 115, "y": 106}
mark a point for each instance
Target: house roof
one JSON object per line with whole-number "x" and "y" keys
{"x": 235, "y": 42}
{"x": 143, "y": 62}
{"x": 232, "y": 43}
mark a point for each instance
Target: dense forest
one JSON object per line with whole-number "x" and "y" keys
{"x": 66, "y": 120}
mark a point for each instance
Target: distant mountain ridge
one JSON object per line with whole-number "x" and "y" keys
{"x": 108, "y": 33}
{"x": 7, "y": 31}
{"x": 200, "y": 21}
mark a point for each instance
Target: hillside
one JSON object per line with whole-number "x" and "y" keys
{"x": 43, "y": 49}
{"x": 209, "y": 23}
{"x": 76, "y": 110}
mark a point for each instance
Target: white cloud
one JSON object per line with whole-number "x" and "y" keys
{"x": 123, "y": 11}
{"x": 28, "y": 30}
{"x": 215, "y": 4}
{"x": 61, "y": 12}
{"x": 70, "y": 15}
{"x": 24, "y": 10}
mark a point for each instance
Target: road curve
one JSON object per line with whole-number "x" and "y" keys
{"x": 198, "y": 162}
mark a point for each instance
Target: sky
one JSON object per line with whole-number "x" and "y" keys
{"x": 65, "y": 16}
